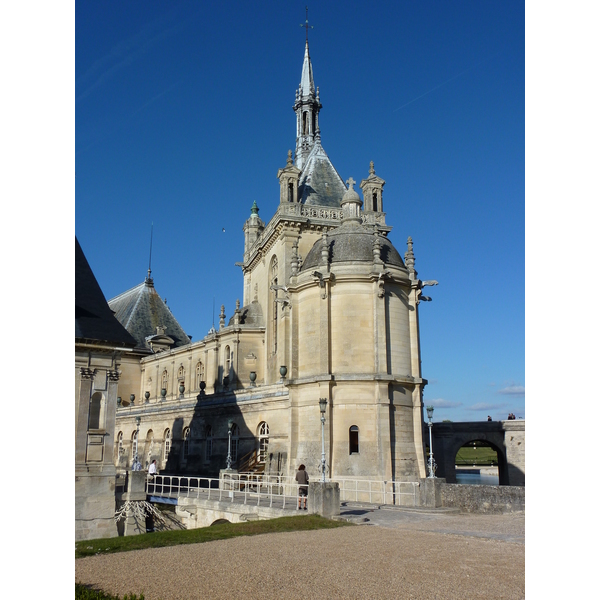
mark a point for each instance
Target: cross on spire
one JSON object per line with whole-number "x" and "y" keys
{"x": 351, "y": 183}
{"x": 306, "y": 25}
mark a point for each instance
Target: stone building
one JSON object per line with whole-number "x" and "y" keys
{"x": 329, "y": 310}
{"x": 100, "y": 343}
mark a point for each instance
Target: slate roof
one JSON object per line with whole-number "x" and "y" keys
{"x": 349, "y": 243}
{"x": 141, "y": 310}
{"x": 320, "y": 184}
{"x": 251, "y": 314}
{"x": 94, "y": 320}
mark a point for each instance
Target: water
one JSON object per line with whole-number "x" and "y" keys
{"x": 476, "y": 478}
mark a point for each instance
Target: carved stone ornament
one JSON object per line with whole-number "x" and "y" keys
{"x": 113, "y": 375}
{"x": 88, "y": 373}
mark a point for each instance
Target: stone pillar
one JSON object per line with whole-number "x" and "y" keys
{"x": 136, "y": 492}
{"x": 430, "y": 492}
{"x": 514, "y": 442}
{"x": 324, "y": 498}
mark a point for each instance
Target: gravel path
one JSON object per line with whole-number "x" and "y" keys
{"x": 398, "y": 555}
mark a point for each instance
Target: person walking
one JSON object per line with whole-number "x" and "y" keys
{"x": 152, "y": 472}
{"x": 302, "y": 479}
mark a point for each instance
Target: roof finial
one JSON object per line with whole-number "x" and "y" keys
{"x": 149, "y": 277}
{"x": 409, "y": 258}
{"x": 306, "y": 25}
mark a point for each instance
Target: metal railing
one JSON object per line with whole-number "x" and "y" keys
{"x": 279, "y": 490}
{"x": 374, "y": 491}
{"x": 398, "y": 493}
{"x": 226, "y": 489}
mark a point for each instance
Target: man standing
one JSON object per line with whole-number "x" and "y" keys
{"x": 302, "y": 479}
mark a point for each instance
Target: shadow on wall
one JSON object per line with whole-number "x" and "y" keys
{"x": 201, "y": 446}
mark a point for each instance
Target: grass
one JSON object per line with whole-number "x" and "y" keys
{"x": 481, "y": 455}
{"x": 222, "y": 531}
{"x": 84, "y": 592}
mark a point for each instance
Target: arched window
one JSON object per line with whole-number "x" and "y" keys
{"x": 235, "y": 442}
{"x": 273, "y": 297}
{"x": 134, "y": 444}
{"x": 95, "y": 406}
{"x": 181, "y": 374}
{"x": 199, "y": 374}
{"x": 186, "y": 443}
{"x": 149, "y": 445}
{"x": 375, "y": 201}
{"x": 353, "y": 445}
{"x": 165, "y": 381}
{"x": 209, "y": 441}
{"x": 263, "y": 441}
{"x": 167, "y": 443}
{"x": 227, "y": 361}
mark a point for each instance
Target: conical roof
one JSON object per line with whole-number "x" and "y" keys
{"x": 142, "y": 311}
{"x": 94, "y": 320}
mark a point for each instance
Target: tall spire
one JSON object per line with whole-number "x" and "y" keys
{"x": 306, "y": 107}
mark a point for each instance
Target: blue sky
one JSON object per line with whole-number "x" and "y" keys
{"x": 183, "y": 116}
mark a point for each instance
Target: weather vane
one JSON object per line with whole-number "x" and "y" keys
{"x": 306, "y": 25}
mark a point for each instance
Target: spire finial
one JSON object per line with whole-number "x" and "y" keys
{"x": 409, "y": 258}
{"x": 149, "y": 277}
{"x": 350, "y": 183}
{"x": 371, "y": 168}
{"x": 306, "y": 25}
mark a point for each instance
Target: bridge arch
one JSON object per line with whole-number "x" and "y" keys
{"x": 448, "y": 438}
{"x": 493, "y": 443}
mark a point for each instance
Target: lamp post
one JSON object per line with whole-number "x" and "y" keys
{"x": 431, "y": 463}
{"x": 322, "y": 408}
{"x": 229, "y": 428}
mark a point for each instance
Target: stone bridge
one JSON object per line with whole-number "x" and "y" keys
{"x": 507, "y": 438}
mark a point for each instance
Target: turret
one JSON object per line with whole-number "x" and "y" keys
{"x": 253, "y": 227}
{"x": 288, "y": 181}
{"x": 372, "y": 189}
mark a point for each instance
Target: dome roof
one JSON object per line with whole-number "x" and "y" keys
{"x": 348, "y": 243}
{"x": 251, "y": 314}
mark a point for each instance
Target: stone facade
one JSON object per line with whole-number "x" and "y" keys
{"x": 329, "y": 310}
{"x": 100, "y": 342}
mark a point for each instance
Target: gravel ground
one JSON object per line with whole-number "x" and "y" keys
{"x": 397, "y": 554}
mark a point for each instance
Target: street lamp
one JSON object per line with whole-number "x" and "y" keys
{"x": 431, "y": 463}
{"x": 229, "y": 428}
{"x": 322, "y": 408}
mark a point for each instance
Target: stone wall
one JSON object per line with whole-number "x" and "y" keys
{"x": 436, "y": 493}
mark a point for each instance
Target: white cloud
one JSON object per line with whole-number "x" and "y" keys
{"x": 485, "y": 406}
{"x": 513, "y": 390}
{"x": 441, "y": 403}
